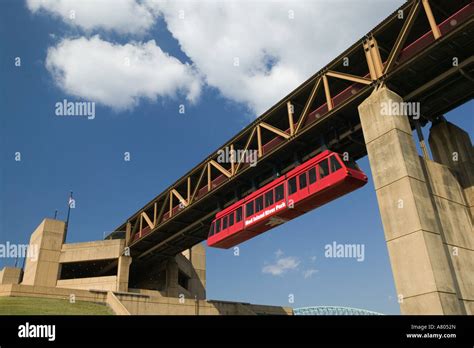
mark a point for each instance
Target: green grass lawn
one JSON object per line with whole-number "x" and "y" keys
{"x": 47, "y": 306}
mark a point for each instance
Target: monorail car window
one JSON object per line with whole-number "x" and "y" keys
{"x": 211, "y": 230}
{"x": 224, "y": 222}
{"x": 231, "y": 219}
{"x": 302, "y": 180}
{"x": 249, "y": 209}
{"x": 279, "y": 193}
{"x": 218, "y": 226}
{"x": 259, "y": 204}
{"x": 323, "y": 168}
{"x": 335, "y": 165}
{"x": 292, "y": 185}
{"x": 269, "y": 198}
{"x": 312, "y": 175}
{"x": 238, "y": 215}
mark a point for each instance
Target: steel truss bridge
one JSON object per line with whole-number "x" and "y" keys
{"x": 422, "y": 51}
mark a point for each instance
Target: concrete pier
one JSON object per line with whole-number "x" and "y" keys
{"x": 451, "y": 146}
{"x": 416, "y": 198}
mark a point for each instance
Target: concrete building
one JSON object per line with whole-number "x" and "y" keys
{"x": 99, "y": 271}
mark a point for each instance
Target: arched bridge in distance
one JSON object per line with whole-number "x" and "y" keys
{"x": 422, "y": 52}
{"x": 332, "y": 310}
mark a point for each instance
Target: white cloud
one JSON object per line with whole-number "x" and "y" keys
{"x": 122, "y": 16}
{"x": 281, "y": 266}
{"x": 279, "y": 44}
{"x": 284, "y": 264}
{"x": 276, "y": 52}
{"x": 119, "y": 75}
{"x": 309, "y": 273}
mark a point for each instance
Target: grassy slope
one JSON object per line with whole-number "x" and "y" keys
{"x": 47, "y": 306}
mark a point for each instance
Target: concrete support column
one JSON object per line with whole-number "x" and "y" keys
{"x": 123, "y": 269}
{"x": 172, "y": 270}
{"x": 453, "y": 181}
{"x": 457, "y": 230}
{"x": 42, "y": 266}
{"x": 198, "y": 281}
{"x": 451, "y": 146}
{"x": 422, "y": 268}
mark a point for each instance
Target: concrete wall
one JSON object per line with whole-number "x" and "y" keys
{"x": 163, "y": 277}
{"x": 47, "y": 240}
{"x": 192, "y": 262}
{"x": 89, "y": 251}
{"x": 114, "y": 303}
{"x": 145, "y": 304}
{"x": 20, "y": 290}
{"x": 152, "y": 305}
{"x": 52, "y": 253}
{"x": 10, "y": 275}
{"x": 452, "y": 146}
{"x": 41, "y": 278}
{"x": 108, "y": 283}
{"x": 123, "y": 273}
{"x": 92, "y": 251}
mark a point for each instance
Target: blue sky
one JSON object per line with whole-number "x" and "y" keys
{"x": 59, "y": 154}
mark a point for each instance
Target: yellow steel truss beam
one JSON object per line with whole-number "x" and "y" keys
{"x": 431, "y": 19}
{"x": 189, "y": 190}
{"x": 349, "y": 77}
{"x": 162, "y": 209}
{"x": 290, "y": 110}
{"x": 370, "y": 63}
{"x": 141, "y": 226}
{"x": 245, "y": 148}
{"x": 209, "y": 181}
{"x": 274, "y": 130}
{"x": 402, "y": 36}
{"x": 128, "y": 233}
{"x": 375, "y": 52}
{"x": 198, "y": 184}
{"x": 372, "y": 55}
{"x": 232, "y": 160}
{"x": 310, "y": 101}
{"x": 134, "y": 229}
{"x": 148, "y": 220}
{"x": 259, "y": 141}
{"x": 220, "y": 168}
{"x": 327, "y": 92}
{"x": 181, "y": 199}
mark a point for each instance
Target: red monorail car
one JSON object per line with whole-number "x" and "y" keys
{"x": 315, "y": 182}
{"x": 225, "y": 238}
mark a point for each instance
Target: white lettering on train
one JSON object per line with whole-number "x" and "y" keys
{"x": 265, "y": 213}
